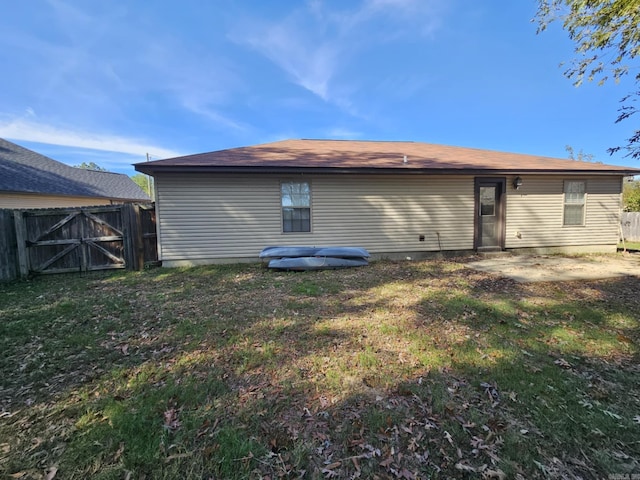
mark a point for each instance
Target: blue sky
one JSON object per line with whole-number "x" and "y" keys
{"x": 108, "y": 82}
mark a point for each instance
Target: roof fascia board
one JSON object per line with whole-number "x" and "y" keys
{"x": 151, "y": 170}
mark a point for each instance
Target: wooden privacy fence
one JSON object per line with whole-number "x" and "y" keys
{"x": 631, "y": 226}
{"x": 8, "y": 247}
{"x": 77, "y": 239}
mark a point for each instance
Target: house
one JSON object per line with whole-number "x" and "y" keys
{"x": 397, "y": 199}
{"x": 31, "y": 180}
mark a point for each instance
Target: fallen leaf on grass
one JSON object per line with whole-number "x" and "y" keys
{"x": 466, "y": 468}
{"x": 171, "y": 419}
{"x": 492, "y": 393}
{"x": 330, "y": 473}
{"x": 499, "y": 474}
{"x": 404, "y": 473}
{"x": 119, "y": 452}
{"x": 561, "y": 362}
{"x": 51, "y": 473}
{"x": 388, "y": 461}
{"x": 447, "y": 435}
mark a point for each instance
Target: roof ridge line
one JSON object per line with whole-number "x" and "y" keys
{"x": 351, "y": 140}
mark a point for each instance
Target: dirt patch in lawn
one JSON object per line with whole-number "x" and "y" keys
{"x": 553, "y": 268}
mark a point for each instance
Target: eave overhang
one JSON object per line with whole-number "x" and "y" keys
{"x": 151, "y": 169}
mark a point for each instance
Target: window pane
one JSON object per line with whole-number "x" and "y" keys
{"x": 296, "y": 219}
{"x": 487, "y": 201}
{"x": 296, "y": 194}
{"x": 573, "y": 214}
{"x": 574, "y": 187}
{"x": 576, "y": 198}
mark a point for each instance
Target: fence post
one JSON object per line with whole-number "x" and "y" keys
{"x": 21, "y": 243}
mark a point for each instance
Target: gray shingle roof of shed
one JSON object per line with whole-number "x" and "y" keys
{"x": 23, "y": 170}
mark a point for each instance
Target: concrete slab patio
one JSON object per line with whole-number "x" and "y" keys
{"x": 555, "y": 268}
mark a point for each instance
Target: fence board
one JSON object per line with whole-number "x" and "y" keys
{"x": 631, "y": 226}
{"x": 131, "y": 234}
{"x": 21, "y": 250}
{"x": 149, "y": 233}
{"x": 8, "y": 247}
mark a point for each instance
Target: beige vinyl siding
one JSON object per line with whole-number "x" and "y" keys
{"x": 31, "y": 200}
{"x": 212, "y": 217}
{"x": 535, "y": 213}
{"x": 389, "y": 213}
{"x": 206, "y": 218}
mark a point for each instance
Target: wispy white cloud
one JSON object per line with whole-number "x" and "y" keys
{"x": 96, "y": 63}
{"x": 307, "y": 58}
{"x": 34, "y": 131}
{"x": 314, "y": 44}
{"x": 194, "y": 78}
{"x": 343, "y": 133}
{"x": 296, "y": 45}
{"x": 401, "y": 18}
{"x": 197, "y": 106}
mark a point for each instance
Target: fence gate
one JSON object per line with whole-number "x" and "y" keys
{"x": 84, "y": 239}
{"x": 72, "y": 240}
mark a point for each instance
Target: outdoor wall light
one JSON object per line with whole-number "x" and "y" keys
{"x": 517, "y": 183}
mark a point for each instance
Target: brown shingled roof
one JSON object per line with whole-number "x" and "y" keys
{"x": 344, "y": 156}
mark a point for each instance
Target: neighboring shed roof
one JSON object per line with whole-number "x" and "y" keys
{"x": 349, "y": 156}
{"x": 25, "y": 171}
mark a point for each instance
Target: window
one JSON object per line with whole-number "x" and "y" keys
{"x": 296, "y": 207}
{"x": 574, "y": 202}
{"x": 487, "y": 201}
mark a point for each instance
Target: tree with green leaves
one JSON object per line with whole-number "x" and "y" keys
{"x": 144, "y": 182}
{"x": 91, "y": 166}
{"x": 631, "y": 196}
{"x": 580, "y": 156}
{"x": 607, "y": 45}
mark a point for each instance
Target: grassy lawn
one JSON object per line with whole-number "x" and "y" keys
{"x": 397, "y": 370}
{"x": 629, "y": 245}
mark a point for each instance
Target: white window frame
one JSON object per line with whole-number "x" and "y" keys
{"x": 574, "y": 200}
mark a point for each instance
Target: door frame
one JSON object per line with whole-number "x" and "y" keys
{"x": 501, "y": 209}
